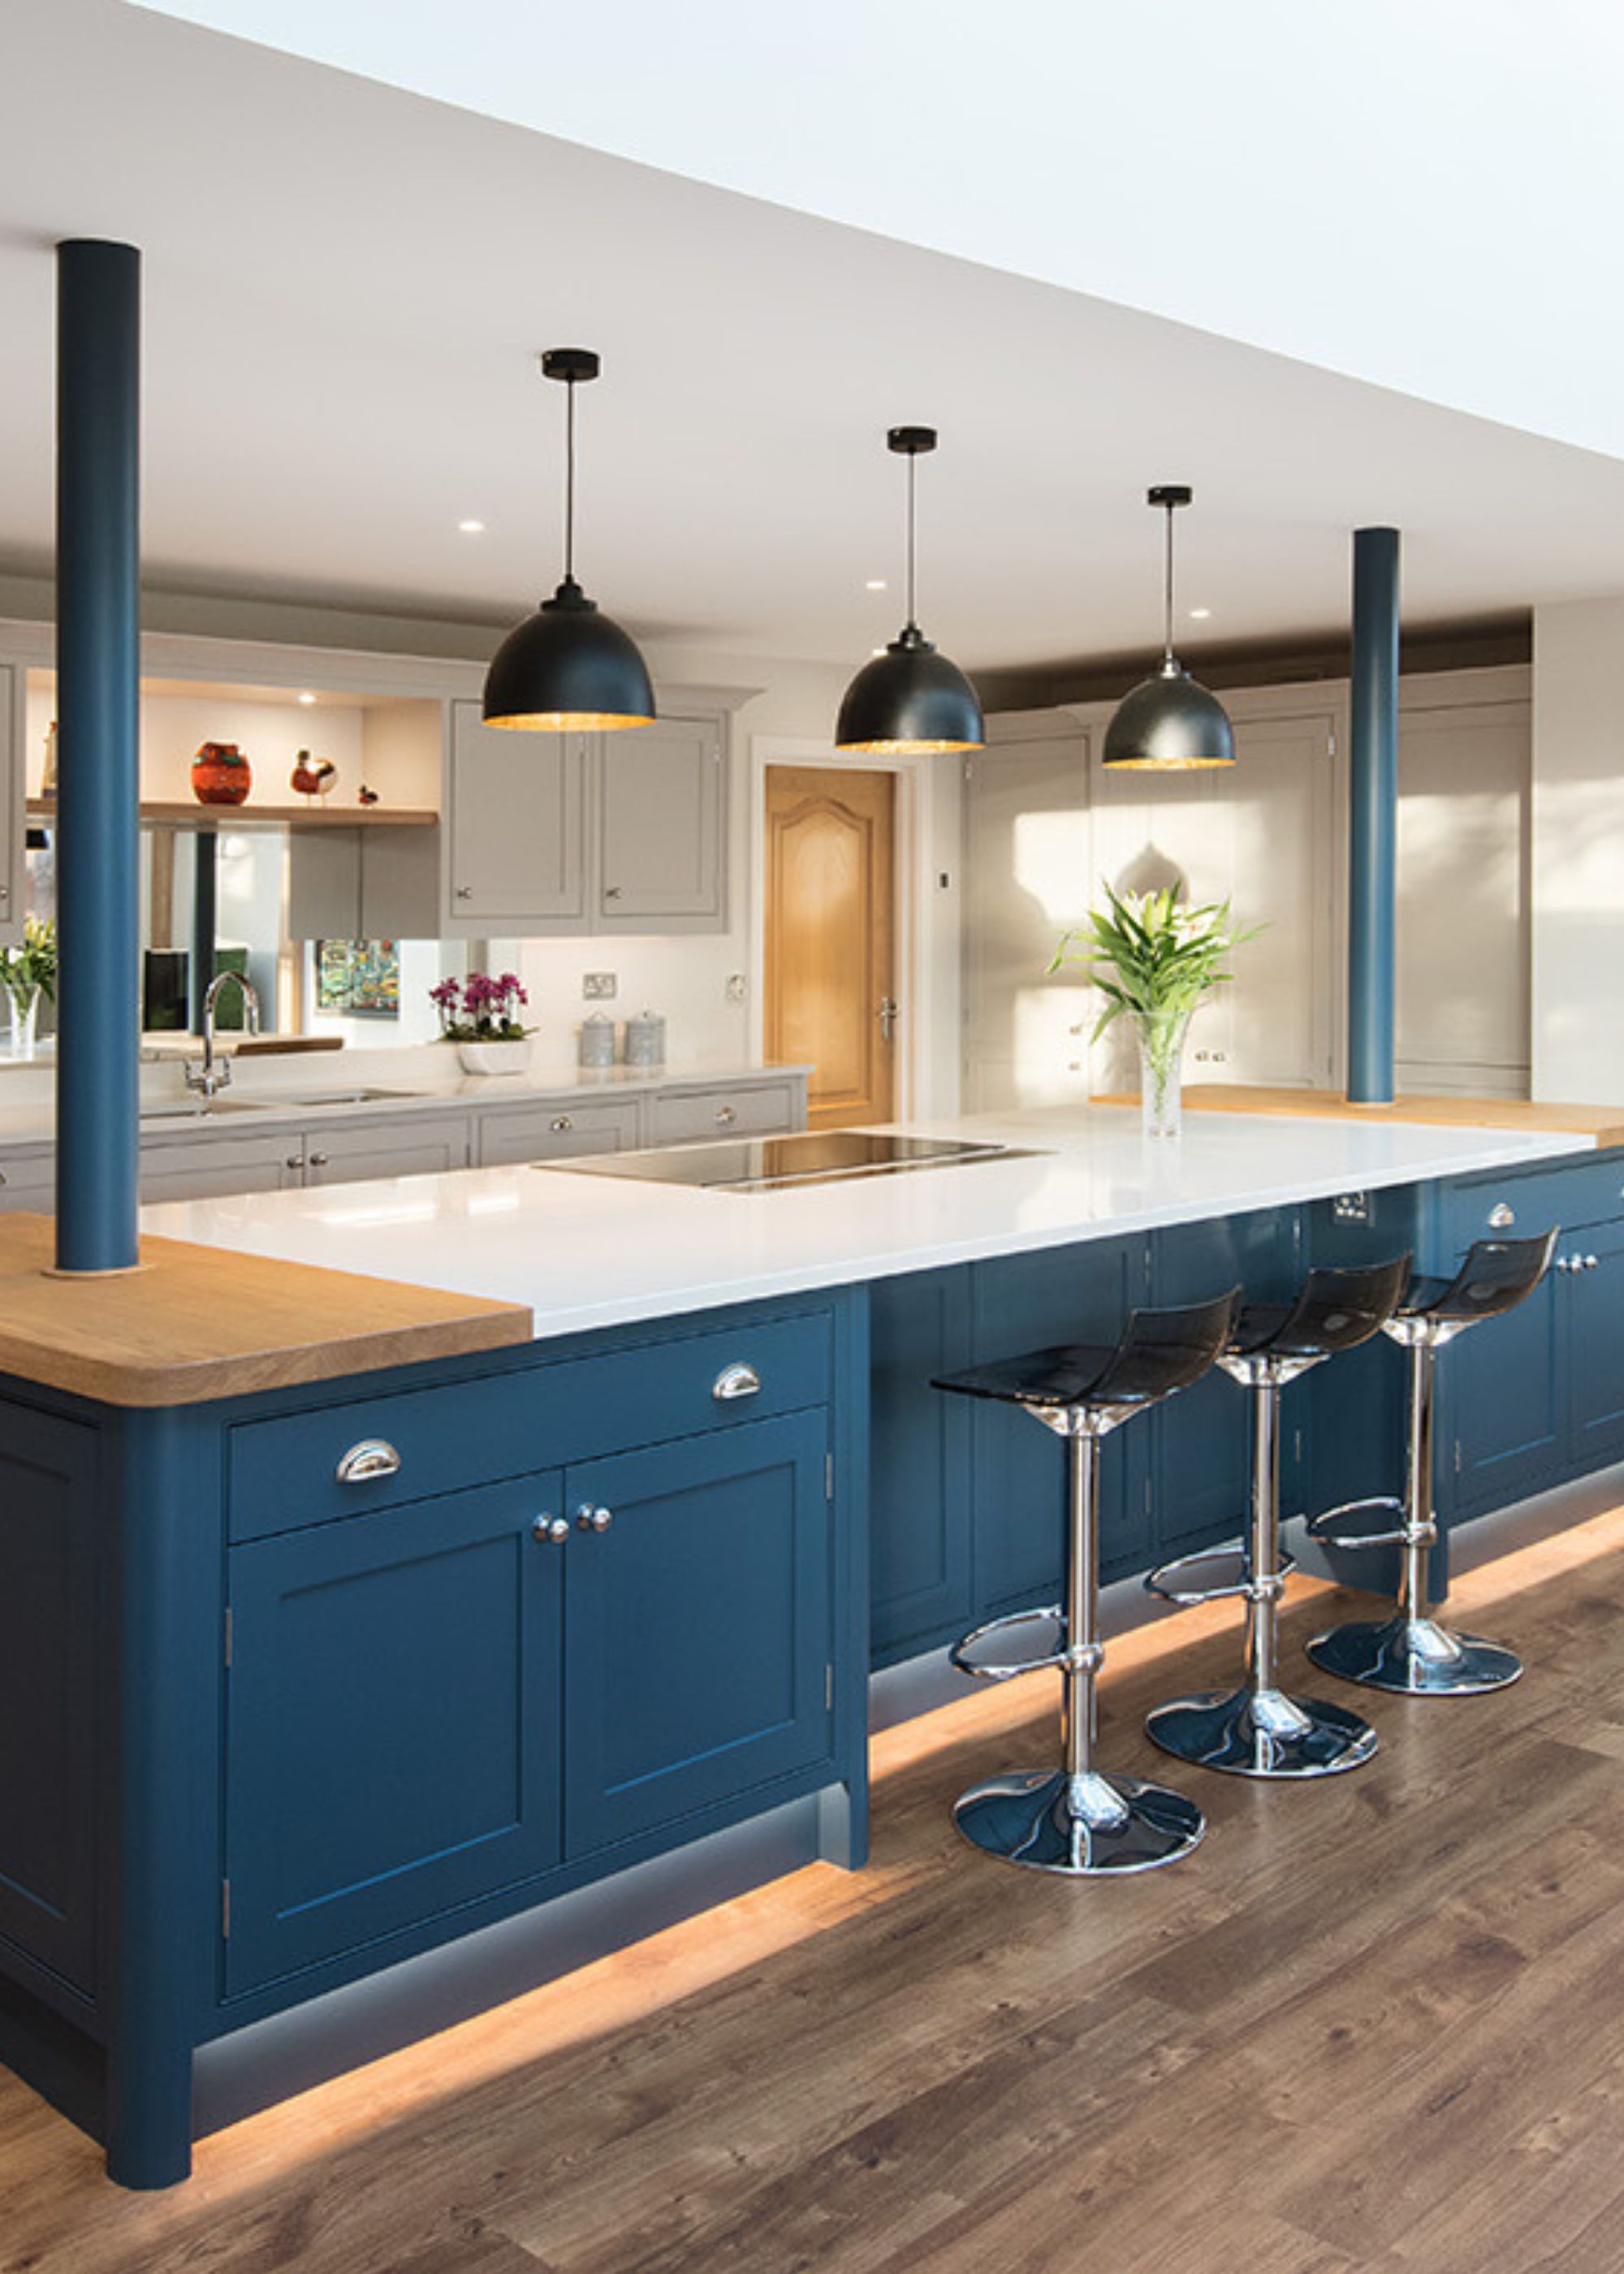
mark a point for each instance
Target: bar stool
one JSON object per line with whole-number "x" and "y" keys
{"x": 1259, "y": 1730}
{"x": 1410, "y": 1652}
{"x": 1078, "y": 1819}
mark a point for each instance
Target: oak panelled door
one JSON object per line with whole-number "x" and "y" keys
{"x": 831, "y": 976}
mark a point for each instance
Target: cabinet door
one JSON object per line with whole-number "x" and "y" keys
{"x": 200, "y": 1168}
{"x": 393, "y": 1721}
{"x": 918, "y": 1462}
{"x": 697, "y": 1641}
{"x": 1503, "y": 1402}
{"x": 407, "y": 1145}
{"x": 746, "y": 1109}
{"x": 28, "y": 1181}
{"x": 1080, "y": 1294}
{"x": 14, "y": 722}
{"x": 517, "y": 827}
{"x": 555, "y": 1132}
{"x": 1593, "y": 1301}
{"x": 662, "y": 818}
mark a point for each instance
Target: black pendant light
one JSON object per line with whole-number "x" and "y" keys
{"x": 569, "y": 669}
{"x": 1170, "y": 723}
{"x": 910, "y": 699}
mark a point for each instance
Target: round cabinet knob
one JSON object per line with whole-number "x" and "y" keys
{"x": 1501, "y": 1216}
{"x": 725, "y": 1116}
{"x": 319, "y": 1161}
{"x": 553, "y": 1530}
{"x": 294, "y": 1161}
{"x": 465, "y": 891}
{"x": 562, "y": 1123}
{"x": 1591, "y": 1262}
{"x": 594, "y": 1519}
{"x": 612, "y": 892}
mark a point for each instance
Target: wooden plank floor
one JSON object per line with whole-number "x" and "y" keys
{"x": 1376, "y": 2023}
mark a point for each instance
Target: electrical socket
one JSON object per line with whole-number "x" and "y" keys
{"x": 738, "y": 987}
{"x": 1351, "y": 1207}
{"x": 598, "y": 986}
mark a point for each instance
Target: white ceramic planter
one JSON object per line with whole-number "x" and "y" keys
{"x": 494, "y": 1058}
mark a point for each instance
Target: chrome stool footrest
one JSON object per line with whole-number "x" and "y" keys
{"x": 1385, "y": 1503}
{"x": 1168, "y": 1581}
{"x": 959, "y": 1653}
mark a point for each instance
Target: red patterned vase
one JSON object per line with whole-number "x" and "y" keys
{"x": 221, "y": 774}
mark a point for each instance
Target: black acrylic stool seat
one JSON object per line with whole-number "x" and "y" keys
{"x": 1410, "y": 1652}
{"x": 1078, "y": 1819}
{"x": 1259, "y": 1729}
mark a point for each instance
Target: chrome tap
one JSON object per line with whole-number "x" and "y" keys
{"x": 211, "y": 1077}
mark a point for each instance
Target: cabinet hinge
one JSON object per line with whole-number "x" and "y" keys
{"x": 225, "y": 1909}
{"x": 1297, "y": 1444}
{"x": 829, "y": 1688}
{"x": 1457, "y": 1456}
{"x": 228, "y": 1635}
{"x": 829, "y": 1476}
{"x": 1146, "y": 1496}
{"x": 1330, "y": 742}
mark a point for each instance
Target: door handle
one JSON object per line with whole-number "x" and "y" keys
{"x": 373, "y": 1456}
{"x": 888, "y": 1017}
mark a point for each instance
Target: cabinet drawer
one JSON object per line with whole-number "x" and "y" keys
{"x": 1588, "y": 1191}
{"x": 285, "y": 1473}
{"x": 747, "y": 1110}
{"x": 554, "y": 1133}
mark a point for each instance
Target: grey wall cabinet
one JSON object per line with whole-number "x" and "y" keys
{"x": 582, "y": 833}
{"x": 661, "y": 838}
{"x": 406, "y": 1145}
{"x": 516, "y": 817}
{"x": 208, "y": 1167}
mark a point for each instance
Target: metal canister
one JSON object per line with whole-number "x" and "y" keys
{"x": 646, "y": 1039}
{"x": 596, "y": 1045}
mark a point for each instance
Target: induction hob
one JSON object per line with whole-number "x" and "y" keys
{"x": 813, "y": 1156}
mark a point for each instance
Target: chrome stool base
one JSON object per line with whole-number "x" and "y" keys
{"x": 1416, "y": 1657}
{"x": 1087, "y": 1826}
{"x": 1262, "y": 1733}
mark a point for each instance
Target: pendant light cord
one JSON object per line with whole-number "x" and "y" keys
{"x": 570, "y": 485}
{"x": 913, "y": 463}
{"x": 1168, "y": 613}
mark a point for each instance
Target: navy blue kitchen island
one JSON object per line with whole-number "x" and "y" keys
{"x": 302, "y": 1682}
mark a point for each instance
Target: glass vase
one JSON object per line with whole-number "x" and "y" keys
{"x": 1161, "y": 1052}
{"x": 25, "y": 1007}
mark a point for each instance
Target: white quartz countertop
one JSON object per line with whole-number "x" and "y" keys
{"x": 590, "y": 1251}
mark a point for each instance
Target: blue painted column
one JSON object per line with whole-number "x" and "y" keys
{"x": 98, "y": 650}
{"x": 1372, "y": 789}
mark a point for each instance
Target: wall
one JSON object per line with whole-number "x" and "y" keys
{"x": 1578, "y": 852}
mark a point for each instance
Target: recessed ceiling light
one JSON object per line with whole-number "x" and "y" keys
{"x": 875, "y": 585}
{"x": 1200, "y": 614}
{"x": 471, "y": 528}
{"x": 307, "y": 699}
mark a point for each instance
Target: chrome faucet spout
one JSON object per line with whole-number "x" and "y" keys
{"x": 214, "y": 1073}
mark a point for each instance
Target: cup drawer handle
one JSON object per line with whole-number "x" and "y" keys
{"x": 735, "y": 1382}
{"x": 373, "y": 1456}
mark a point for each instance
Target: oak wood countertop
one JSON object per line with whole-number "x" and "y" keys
{"x": 1603, "y": 1122}
{"x": 195, "y": 1323}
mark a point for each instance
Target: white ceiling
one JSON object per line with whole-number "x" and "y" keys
{"x": 346, "y": 286}
{"x": 1416, "y": 192}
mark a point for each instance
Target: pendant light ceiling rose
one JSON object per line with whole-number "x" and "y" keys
{"x": 569, "y": 669}
{"x": 910, "y": 701}
{"x": 1169, "y": 723}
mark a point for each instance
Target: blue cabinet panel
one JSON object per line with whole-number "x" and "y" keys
{"x": 1593, "y": 1353}
{"x": 393, "y": 1740}
{"x": 1199, "y": 1442}
{"x": 918, "y": 1462}
{"x": 47, "y": 1646}
{"x": 1027, "y": 1302}
{"x": 1503, "y": 1405}
{"x": 698, "y": 1626}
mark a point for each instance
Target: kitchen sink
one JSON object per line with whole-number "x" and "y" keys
{"x": 341, "y": 1097}
{"x": 201, "y": 1109}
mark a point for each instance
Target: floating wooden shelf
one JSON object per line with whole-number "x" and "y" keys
{"x": 179, "y": 816}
